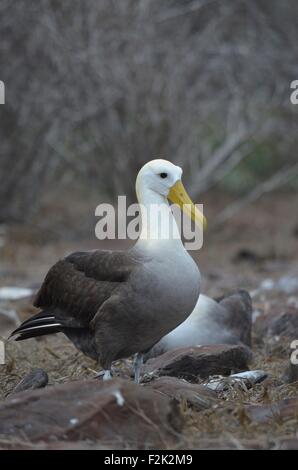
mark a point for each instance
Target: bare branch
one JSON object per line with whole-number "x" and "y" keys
{"x": 276, "y": 181}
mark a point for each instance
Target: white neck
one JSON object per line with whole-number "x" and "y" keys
{"x": 158, "y": 222}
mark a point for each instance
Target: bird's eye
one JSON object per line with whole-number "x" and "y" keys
{"x": 163, "y": 175}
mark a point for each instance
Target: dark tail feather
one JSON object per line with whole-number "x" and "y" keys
{"x": 43, "y": 323}
{"x": 40, "y": 317}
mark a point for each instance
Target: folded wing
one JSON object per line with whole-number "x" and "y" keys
{"x": 74, "y": 289}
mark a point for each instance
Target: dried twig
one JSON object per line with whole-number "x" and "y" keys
{"x": 276, "y": 181}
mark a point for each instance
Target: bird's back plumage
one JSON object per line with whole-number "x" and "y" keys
{"x": 102, "y": 300}
{"x": 73, "y": 291}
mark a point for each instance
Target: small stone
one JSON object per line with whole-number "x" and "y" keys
{"x": 37, "y": 378}
{"x": 291, "y": 374}
{"x": 195, "y": 395}
{"x": 278, "y": 411}
{"x": 245, "y": 380}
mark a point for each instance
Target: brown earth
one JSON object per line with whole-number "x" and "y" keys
{"x": 258, "y": 244}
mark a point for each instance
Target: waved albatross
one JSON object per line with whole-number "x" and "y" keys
{"x": 226, "y": 320}
{"x": 113, "y": 304}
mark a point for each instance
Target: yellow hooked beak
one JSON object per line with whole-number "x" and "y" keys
{"x": 179, "y": 196}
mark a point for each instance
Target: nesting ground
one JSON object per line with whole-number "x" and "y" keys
{"x": 260, "y": 244}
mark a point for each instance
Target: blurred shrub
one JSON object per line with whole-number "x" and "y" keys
{"x": 96, "y": 88}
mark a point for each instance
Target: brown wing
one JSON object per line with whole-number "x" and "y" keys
{"x": 76, "y": 286}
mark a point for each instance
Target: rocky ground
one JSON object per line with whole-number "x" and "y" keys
{"x": 258, "y": 251}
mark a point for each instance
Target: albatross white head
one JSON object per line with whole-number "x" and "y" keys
{"x": 158, "y": 182}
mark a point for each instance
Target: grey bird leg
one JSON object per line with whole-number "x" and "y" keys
{"x": 105, "y": 374}
{"x": 137, "y": 364}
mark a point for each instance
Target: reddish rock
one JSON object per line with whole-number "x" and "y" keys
{"x": 56, "y": 445}
{"x": 195, "y": 395}
{"x": 278, "y": 411}
{"x": 199, "y": 362}
{"x": 117, "y": 414}
{"x": 286, "y": 444}
{"x": 262, "y": 443}
{"x": 291, "y": 374}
